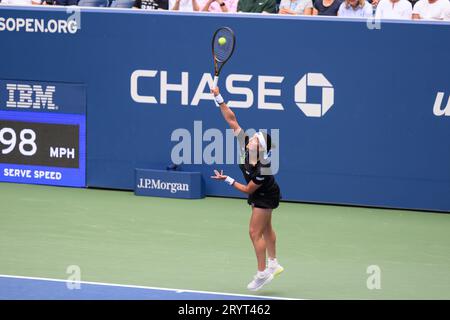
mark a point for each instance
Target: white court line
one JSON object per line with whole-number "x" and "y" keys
{"x": 144, "y": 287}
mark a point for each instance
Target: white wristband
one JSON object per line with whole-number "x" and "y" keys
{"x": 229, "y": 180}
{"x": 219, "y": 99}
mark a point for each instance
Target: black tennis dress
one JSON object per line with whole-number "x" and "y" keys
{"x": 268, "y": 195}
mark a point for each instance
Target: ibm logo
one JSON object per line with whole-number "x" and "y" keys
{"x": 30, "y": 96}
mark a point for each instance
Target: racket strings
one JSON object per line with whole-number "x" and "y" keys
{"x": 223, "y": 52}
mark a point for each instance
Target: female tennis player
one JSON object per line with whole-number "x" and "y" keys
{"x": 263, "y": 194}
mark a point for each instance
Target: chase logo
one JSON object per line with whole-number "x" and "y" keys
{"x": 27, "y": 96}
{"x": 438, "y": 109}
{"x": 261, "y": 91}
{"x": 301, "y": 88}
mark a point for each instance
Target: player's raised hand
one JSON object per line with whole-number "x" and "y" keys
{"x": 215, "y": 91}
{"x": 219, "y": 175}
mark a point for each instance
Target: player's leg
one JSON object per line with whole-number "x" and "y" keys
{"x": 258, "y": 223}
{"x": 269, "y": 235}
{"x": 270, "y": 238}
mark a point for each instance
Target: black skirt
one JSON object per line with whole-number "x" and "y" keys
{"x": 265, "y": 200}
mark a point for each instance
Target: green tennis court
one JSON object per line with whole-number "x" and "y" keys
{"x": 116, "y": 237}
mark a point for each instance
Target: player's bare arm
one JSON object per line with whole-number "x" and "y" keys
{"x": 227, "y": 113}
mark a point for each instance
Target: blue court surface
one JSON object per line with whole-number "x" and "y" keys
{"x": 27, "y": 288}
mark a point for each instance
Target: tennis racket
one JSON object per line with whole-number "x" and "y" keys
{"x": 222, "y": 51}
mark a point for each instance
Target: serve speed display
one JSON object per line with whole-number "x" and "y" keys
{"x": 40, "y": 144}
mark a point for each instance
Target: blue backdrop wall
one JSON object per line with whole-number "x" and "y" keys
{"x": 360, "y": 111}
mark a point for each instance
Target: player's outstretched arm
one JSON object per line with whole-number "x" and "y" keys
{"x": 227, "y": 113}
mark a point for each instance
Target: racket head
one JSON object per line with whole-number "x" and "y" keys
{"x": 222, "y": 53}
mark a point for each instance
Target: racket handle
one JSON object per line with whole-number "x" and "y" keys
{"x": 216, "y": 80}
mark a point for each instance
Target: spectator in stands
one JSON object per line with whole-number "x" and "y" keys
{"x": 447, "y": 13}
{"x": 374, "y": 3}
{"x": 355, "y": 9}
{"x": 430, "y": 9}
{"x": 303, "y": 7}
{"x": 60, "y": 2}
{"x": 184, "y": 5}
{"x": 219, "y": 5}
{"x": 151, "y": 4}
{"x": 257, "y": 6}
{"x": 21, "y": 2}
{"x": 326, "y": 7}
{"x": 394, "y": 9}
{"x": 93, "y": 3}
{"x": 413, "y": 2}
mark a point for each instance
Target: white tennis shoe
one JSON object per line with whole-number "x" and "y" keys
{"x": 275, "y": 269}
{"x": 260, "y": 280}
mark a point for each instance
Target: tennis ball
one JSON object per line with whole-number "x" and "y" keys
{"x": 222, "y": 41}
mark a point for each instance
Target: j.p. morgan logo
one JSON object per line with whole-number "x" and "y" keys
{"x": 26, "y": 96}
{"x": 438, "y": 108}
{"x": 238, "y": 87}
{"x": 173, "y": 187}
